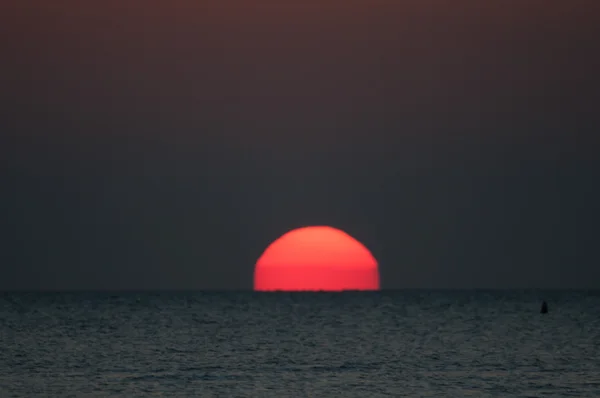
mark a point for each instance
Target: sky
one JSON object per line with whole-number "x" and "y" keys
{"x": 164, "y": 145}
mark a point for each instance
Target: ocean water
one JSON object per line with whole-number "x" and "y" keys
{"x": 398, "y": 343}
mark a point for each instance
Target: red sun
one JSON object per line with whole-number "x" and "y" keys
{"x": 316, "y": 259}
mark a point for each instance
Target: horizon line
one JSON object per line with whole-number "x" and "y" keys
{"x": 222, "y": 290}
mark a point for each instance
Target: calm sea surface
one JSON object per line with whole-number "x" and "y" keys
{"x": 404, "y": 343}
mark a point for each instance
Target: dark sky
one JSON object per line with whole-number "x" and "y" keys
{"x": 149, "y": 144}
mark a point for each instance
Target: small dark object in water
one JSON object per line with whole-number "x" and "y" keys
{"x": 544, "y": 309}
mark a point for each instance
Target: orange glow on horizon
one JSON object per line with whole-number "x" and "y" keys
{"x": 316, "y": 259}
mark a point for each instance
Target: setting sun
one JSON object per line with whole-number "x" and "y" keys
{"x": 316, "y": 258}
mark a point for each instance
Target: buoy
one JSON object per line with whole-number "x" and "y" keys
{"x": 544, "y": 309}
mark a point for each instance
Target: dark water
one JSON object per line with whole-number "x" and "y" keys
{"x": 407, "y": 343}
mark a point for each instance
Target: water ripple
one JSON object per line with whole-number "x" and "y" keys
{"x": 415, "y": 343}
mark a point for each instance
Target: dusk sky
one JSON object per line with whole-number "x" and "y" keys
{"x": 149, "y": 144}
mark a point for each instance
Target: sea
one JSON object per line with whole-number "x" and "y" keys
{"x": 405, "y": 343}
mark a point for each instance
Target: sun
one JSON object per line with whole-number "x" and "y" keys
{"x": 318, "y": 258}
